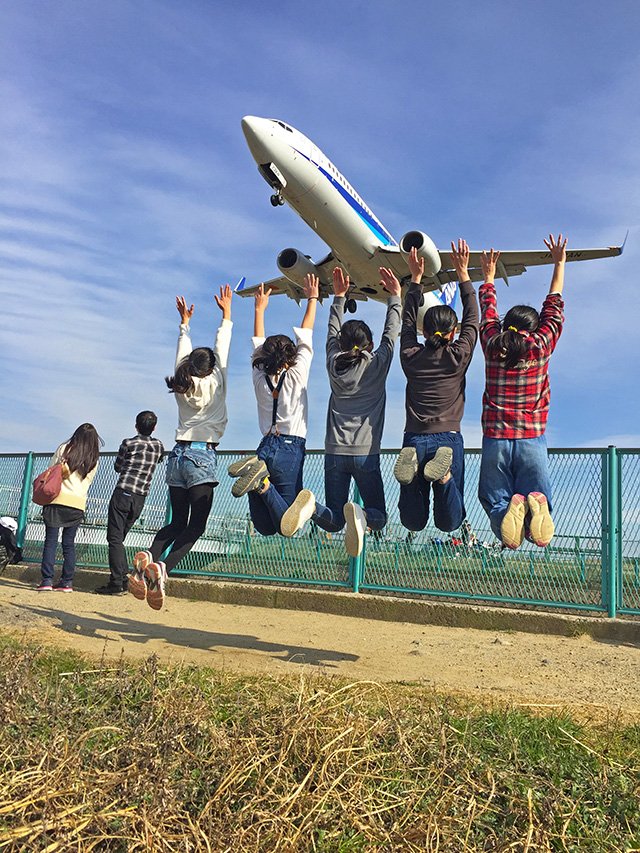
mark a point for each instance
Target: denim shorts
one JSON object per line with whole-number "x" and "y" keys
{"x": 189, "y": 466}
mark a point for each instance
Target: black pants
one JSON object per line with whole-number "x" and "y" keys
{"x": 124, "y": 511}
{"x": 190, "y": 510}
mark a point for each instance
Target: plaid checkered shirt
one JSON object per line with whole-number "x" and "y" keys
{"x": 136, "y": 461}
{"x": 516, "y": 400}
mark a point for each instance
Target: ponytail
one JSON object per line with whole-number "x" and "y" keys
{"x": 200, "y": 362}
{"x": 354, "y": 338}
{"x": 509, "y": 346}
{"x": 277, "y": 352}
{"x": 439, "y": 321}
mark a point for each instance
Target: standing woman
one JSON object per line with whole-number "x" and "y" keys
{"x": 79, "y": 456}
{"x": 200, "y": 389}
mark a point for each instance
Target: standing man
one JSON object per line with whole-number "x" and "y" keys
{"x": 136, "y": 463}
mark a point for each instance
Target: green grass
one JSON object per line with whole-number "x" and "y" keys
{"x": 116, "y": 757}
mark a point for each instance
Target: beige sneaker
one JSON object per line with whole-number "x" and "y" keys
{"x": 406, "y": 466}
{"x": 541, "y": 527}
{"x": 298, "y": 513}
{"x": 439, "y": 466}
{"x": 512, "y": 527}
{"x": 356, "y": 527}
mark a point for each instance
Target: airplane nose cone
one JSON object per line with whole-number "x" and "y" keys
{"x": 256, "y": 132}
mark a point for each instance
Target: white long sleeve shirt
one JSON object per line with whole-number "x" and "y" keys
{"x": 202, "y": 413}
{"x": 293, "y": 406}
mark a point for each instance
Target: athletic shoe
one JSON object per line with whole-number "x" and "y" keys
{"x": 254, "y": 476}
{"x": 300, "y": 511}
{"x": 237, "y": 469}
{"x": 356, "y": 526}
{"x": 512, "y": 527}
{"x": 157, "y": 579}
{"x": 44, "y": 586}
{"x": 541, "y": 527}
{"x": 137, "y": 582}
{"x": 406, "y": 466}
{"x": 62, "y": 587}
{"x": 108, "y": 589}
{"x": 439, "y": 466}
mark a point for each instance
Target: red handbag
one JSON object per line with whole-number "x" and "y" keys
{"x": 47, "y": 486}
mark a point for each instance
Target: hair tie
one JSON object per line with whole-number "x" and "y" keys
{"x": 512, "y": 329}
{"x": 354, "y": 347}
{"x": 439, "y": 334}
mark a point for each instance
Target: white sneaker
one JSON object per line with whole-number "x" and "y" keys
{"x": 298, "y": 513}
{"x": 356, "y": 528}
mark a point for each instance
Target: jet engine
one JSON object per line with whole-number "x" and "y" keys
{"x": 295, "y": 266}
{"x": 426, "y": 249}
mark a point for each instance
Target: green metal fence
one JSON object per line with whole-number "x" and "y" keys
{"x": 593, "y": 562}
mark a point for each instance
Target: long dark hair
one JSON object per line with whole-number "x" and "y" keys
{"x": 355, "y": 336}
{"x": 439, "y": 321}
{"x": 509, "y": 346}
{"x": 278, "y": 351}
{"x": 82, "y": 450}
{"x": 200, "y": 362}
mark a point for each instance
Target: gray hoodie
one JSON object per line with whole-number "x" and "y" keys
{"x": 355, "y": 418}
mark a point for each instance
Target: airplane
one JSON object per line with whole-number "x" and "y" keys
{"x": 303, "y": 177}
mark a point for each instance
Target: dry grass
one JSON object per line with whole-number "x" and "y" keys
{"x": 104, "y": 758}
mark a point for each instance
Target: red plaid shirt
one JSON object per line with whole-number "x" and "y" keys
{"x": 516, "y": 400}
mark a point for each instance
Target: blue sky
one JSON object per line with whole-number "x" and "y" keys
{"x": 125, "y": 180}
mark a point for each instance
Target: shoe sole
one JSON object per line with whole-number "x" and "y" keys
{"x": 155, "y": 592}
{"x": 439, "y": 466}
{"x": 62, "y": 589}
{"x": 356, "y": 524}
{"x": 298, "y": 513}
{"x": 541, "y": 527}
{"x": 512, "y": 527}
{"x": 406, "y": 466}
{"x": 136, "y": 584}
{"x": 141, "y": 560}
{"x": 44, "y": 589}
{"x": 237, "y": 469}
{"x": 250, "y": 481}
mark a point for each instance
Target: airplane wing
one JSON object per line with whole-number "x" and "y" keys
{"x": 294, "y": 291}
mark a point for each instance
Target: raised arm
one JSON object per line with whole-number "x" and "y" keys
{"x": 184, "y": 339}
{"x": 489, "y": 317}
{"x": 460, "y": 259}
{"x": 262, "y": 300}
{"x": 559, "y": 254}
{"x": 341, "y": 285}
{"x": 223, "y": 336}
{"x": 311, "y": 291}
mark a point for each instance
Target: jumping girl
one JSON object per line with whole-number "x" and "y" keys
{"x": 79, "y": 456}
{"x": 514, "y": 486}
{"x": 355, "y": 417}
{"x": 433, "y": 450}
{"x": 200, "y": 389}
{"x": 273, "y": 477}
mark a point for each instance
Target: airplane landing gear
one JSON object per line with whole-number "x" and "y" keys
{"x": 351, "y": 306}
{"x": 276, "y": 200}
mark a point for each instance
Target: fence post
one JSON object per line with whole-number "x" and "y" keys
{"x": 612, "y": 530}
{"x": 168, "y": 514}
{"x": 356, "y": 564}
{"x": 25, "y": 498}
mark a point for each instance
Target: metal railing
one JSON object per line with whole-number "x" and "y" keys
{"x": 593, "y": 562}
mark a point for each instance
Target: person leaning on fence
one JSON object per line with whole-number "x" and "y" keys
{"x": 432, "y": 457}
{"x": 200, "y": 389}
{"x": 79, "y": 456}
{"x": 514, "y": 486}
{"x": 355, "y": 417}
{"x": 136, "y": 462}
{"x": 272, "y": 477}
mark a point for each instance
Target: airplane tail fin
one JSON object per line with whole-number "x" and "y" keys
{"x": 240, "y": 285}
{"x": 449, "y": 294}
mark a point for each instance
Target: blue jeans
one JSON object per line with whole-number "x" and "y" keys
{"x": 189, "y": 466}
{"x": 284, "y": 458}
{"x": 511, "y": 467}
{"x": 68, "y": 554}
{"x": 448, "y": 498}
{"x": 338, "y": 471}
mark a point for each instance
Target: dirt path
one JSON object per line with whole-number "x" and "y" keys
{"x": 527, "y": 668}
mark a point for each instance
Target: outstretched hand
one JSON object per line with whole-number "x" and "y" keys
{"x": 390, "y": 282}
{"x": 341, "y": 283}
{"x": 460, "y": 259}
{"x": 558, "y": 250}
{"x": 262, "y": 298}
{"x": 311, "y": 286}
{"x": 224, "y": 301}
{"x": 489, "y": 262}
{"x": 416, "y": 265}
{"x": 185, "y": 313}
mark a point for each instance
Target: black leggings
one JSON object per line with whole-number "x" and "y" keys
{"x": 190, "y": 510}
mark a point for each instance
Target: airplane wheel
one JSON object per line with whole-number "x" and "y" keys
{"x": 280, "y": 200}
{"x": 276, "y": 200}
{"x": 351, "y": 306}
